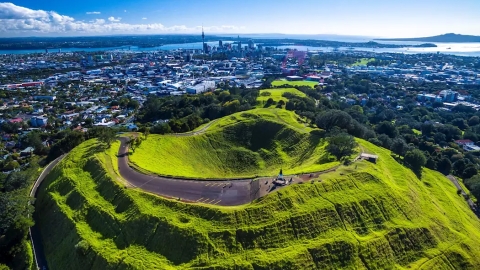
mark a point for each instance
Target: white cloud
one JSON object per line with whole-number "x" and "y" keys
{"x": 94, "y": 13}
{"x": 144, "y": 18}
{"x": 20, "y": 21}
{"x": 125, "y": 10}
{"x": 113, "y": 19}
{"x": 9, "y": 11}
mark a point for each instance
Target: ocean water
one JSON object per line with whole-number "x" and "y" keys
{"x": 460, "y": 49}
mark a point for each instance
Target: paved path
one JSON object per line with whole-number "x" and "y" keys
{"x": 472, "y": 205}
{"x": 218, "y": 192}
{"x": 221, "y": 192}
{"x": 197, "y": 132}
{"x": 35, "y": 237}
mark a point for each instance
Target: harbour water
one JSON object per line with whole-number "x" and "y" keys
{"x": 460, "y": 49}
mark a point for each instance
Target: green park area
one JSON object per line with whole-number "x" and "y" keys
{"x": 277, "y": 94}
{"x": 294, "y": 83}
{"x": 363, "y": 61}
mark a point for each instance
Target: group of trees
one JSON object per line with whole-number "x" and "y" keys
{"x": 15, "y": 216}
{"x": 186, "y": 113}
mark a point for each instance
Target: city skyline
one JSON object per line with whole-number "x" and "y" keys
{"x": 372, "y": 18}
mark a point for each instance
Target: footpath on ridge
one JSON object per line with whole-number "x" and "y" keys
{"x": 226, "y": 192}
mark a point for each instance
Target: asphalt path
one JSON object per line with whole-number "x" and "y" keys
{"x": 217, "y": 192}
{"x": 35, "y": 237}
{"x": 472, "y": 205}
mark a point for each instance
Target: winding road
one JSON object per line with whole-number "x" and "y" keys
{"x": 35, "y": 238}
{"x": 221, "y": 192}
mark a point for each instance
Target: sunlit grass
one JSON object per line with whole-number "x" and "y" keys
{"x": 294, "y": 83}
{"x": 365, "y": 215}
{"x": 258, "y": 142}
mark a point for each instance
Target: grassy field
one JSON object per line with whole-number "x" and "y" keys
{"x": 276, "y": 94}
{"x": 294, "y": 83}
{"x": 416, "y": 131}
{"x": 232, "y": 147}
{"x": 363, "y": 61}
{"x": 365, "y": 216}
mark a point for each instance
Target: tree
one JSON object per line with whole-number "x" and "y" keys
{"x": 12, "y": 165}
{"x": 290, "y": 105}
{"x": 444, "y": 165}
{"x": 460, "y": 123}
{"x": 415, "y": 159}
{"x": 146, "y": 132}
{"x": 334, "y": 118}
{"x": 386, "y": 141}
{"x": 469, "y": 171}
{"x": 459, "y": 166}
{"x": 138, "y": 141}
{"x": 107, "y": 136}
{"x": 161, "y": 129}
{"x": 341, "y": 145}
{"x": 387, "y": 128}
{"x": 399, "y": 146}
{"x": 269, "y": 102}
{"x": 473, "y": 121}
{"x": 133, "y": 104}
{"x": 473, "y": 184}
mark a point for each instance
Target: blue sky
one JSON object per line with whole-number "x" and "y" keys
{"x": 377, "y": 18}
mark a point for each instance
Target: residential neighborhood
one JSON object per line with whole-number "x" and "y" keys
{"x": 54, "y": 91}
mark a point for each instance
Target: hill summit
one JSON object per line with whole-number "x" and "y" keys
{"x": 362, "y": 216}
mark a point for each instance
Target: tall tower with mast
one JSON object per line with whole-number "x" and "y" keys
{"x": 203, "y": 40}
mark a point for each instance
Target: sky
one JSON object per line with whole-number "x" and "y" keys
{"x": 371, "y": 18}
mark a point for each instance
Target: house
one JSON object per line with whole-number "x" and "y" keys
{"x": 27, "y": 151}
{"x": 464, "y": 142}
{"x": 49, "y": 98}
{"x": 39, "y": 121}
{"x": 467, "y": 145}
{"x": 201, "y": 87}
{"x": 294, "y": 78}
{"x": 369, "y": 157}
{"x": 132, "y": 127}
{"x": 15, "y": 120}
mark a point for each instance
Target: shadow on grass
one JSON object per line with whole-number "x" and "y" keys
{"x": 94, "y": 150}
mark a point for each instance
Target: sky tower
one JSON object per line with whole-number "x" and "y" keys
{"x": 203, "y": 40}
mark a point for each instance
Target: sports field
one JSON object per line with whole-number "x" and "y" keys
{"x": 294, "y": 83}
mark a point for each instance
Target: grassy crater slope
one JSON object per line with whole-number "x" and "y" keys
{"x": 372, "y": 217}
{"x": 245, "y": 144}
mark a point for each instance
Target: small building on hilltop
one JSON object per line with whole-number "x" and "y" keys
{"x": 369, "y": 157}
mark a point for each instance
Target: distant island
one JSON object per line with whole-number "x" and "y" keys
{"x": 450, "y": 37}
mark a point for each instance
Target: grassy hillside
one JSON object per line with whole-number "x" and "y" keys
{"x": 276, "y": 94}
{"x": 257, "y": 142}
{"x": 366, "y": 217}
{"x": 294, "y": 83}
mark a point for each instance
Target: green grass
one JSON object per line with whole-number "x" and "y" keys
{"x": 246, "y": 144}
{"x": 277, "y": 94}
{"x": 416, "y": 131}
{"x": 294, "y": 83}
{"x": 365, "y": 216}
{"x": 363, "y": 61}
